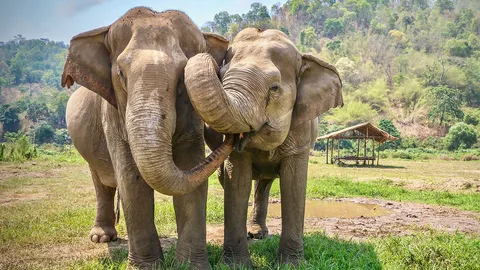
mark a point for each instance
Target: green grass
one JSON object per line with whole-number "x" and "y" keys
{"x": 57, "y": 207}
{"x": 431, "y": 250}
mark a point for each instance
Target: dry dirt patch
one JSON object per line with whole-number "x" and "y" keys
{"x": 10, "y": 198}
{"x": 27, "y": 170}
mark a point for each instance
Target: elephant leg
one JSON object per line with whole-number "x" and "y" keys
{"x": 237, "y": 185}
{"x": 104, "y": 228}
{"x": 144, "y": 250}
{"x": 257, "y": 227}
{"x": 190, "y": 211}
{"x": 293, "y": 186}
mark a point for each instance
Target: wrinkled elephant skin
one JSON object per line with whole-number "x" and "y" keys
{"x": 134, "y": 124}
{"x": 271, "y": 91}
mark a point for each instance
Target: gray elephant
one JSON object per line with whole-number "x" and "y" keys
{"x": 269, "y": 93}
{"x": 136, "y": 125}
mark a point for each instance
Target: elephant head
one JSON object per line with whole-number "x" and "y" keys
{"x": 267, "y": 88}
{"x": 136, "y": 64}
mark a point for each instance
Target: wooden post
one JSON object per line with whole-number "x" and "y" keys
{"x": 378, "y": 158}
{"x": 373, "y": 152}
{"x": 338, "y": 149}
{"x": 326, "y": 161}
{"x": 365, "y": 149}
{"x": 358, "y": 150}
{"x": 331, "y": 151}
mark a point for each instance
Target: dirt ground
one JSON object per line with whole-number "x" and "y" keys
{"x": 403, "y": 218}
{"x": 399, "y": 218}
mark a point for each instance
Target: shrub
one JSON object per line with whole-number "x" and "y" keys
{"x": 460, "y": 136}
{"x": 388, "y": 126}
{"x": 18, "y": 149}
{"x": 45, "y": 133}
{"x": 62, "y": 137}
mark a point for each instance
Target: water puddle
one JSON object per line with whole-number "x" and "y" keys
{"x": 328, "y": 209}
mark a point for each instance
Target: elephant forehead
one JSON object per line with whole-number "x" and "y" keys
{"x": 151, "y": 29}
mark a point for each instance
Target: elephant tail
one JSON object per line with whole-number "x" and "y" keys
{"x": 117, "y": 211}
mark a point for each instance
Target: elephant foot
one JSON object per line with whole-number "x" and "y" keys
{"x": 257, "y": 231}
{"x": 198, "y": 262}
{"x": 134, "y": 265}
{"x": 103, "y": 234}
{"x": 292, "y": 259}
{"x": 237, "y": 259}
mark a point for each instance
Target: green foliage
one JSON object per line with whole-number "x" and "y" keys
{"x": 9, "y": 117}
{"x": 472, "y": 117}
{"x": 31, "y": 61}
{"x": 17, "y": 149}
{"x": 44, "y": 133}
{"x": 62, "y": 137}
{"x": 388, "y": 126}
{"x": 409, "y": 93}
{"x": 352, "y": 113}
{"x": 444, "y": 102}
{"x": 458, "y": 47}
{"x": 460, "y": 136}
{"x": 308, "y": 37}
{"x": 334, "y": 27}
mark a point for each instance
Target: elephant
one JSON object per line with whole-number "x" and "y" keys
{"x": 133, "y": 122}
{"x": 271, "y": 94}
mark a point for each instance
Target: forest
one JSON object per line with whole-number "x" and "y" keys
{"x": 411, "y": 67}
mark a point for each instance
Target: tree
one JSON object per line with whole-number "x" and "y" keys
{"x": 58, "y": 108}
{"x": 388, "y": 126}
{"x": 62, "y": 137}
{"x": 460, "y": 136}
{"x": 45, "y": 133}
{"x": 257, "y": 15}
{"x": 37, "y": 111}
{"x": 444, "y": 101}
{"x": 9, "y": 118}
{"x": 334, "y": 27}
{"x": 222, "y": 20}
{"x": 308, "y": 37}
{"x": 444, "y": 5}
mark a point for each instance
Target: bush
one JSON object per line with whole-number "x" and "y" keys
{"x": 17, "y": 150}
{"x": 460, "y": 136}
{"x": 62, "y": 137}
{"x": 472, "y": 117}
{"x": 388, "y": 126}
{"x": 45, "y": 133}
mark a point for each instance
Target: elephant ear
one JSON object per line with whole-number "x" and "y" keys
{"x": 318, "y": 90}
{"x": 88, "y": 64}
{"x": 216, "y": 46}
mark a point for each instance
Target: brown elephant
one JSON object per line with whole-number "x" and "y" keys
{"x": 270, "y": 93}
{"x": 136, "y": 125}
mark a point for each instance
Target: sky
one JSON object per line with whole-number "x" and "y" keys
{"x": 60, "y": 20}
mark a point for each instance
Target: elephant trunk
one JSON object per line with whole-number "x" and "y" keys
{"x": 150, "y": 124}
{"x": 225, "y": 109}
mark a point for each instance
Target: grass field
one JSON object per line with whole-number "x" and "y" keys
{"x": 47, "y": 209}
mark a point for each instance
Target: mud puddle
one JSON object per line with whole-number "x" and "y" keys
{"x": 391, "y": 218}
{"x": 333, "y": 209}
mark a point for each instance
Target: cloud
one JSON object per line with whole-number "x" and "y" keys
{"x": 76, "y": 6}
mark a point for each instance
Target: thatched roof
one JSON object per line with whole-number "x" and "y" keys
{"x": 364, "y": 128}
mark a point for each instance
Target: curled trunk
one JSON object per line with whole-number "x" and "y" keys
{"x": 150, "y": 126}
{"x": 221, "y": 109}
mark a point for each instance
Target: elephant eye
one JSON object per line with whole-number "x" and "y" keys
{"x": 275, "y": 88}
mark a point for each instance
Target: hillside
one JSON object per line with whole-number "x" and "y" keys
{"x": 31, "y": 97}
{"x": 416, "y": 63}
{"x": 413, "y": 62}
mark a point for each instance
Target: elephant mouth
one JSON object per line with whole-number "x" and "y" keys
{"x": 242, "y": 139}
